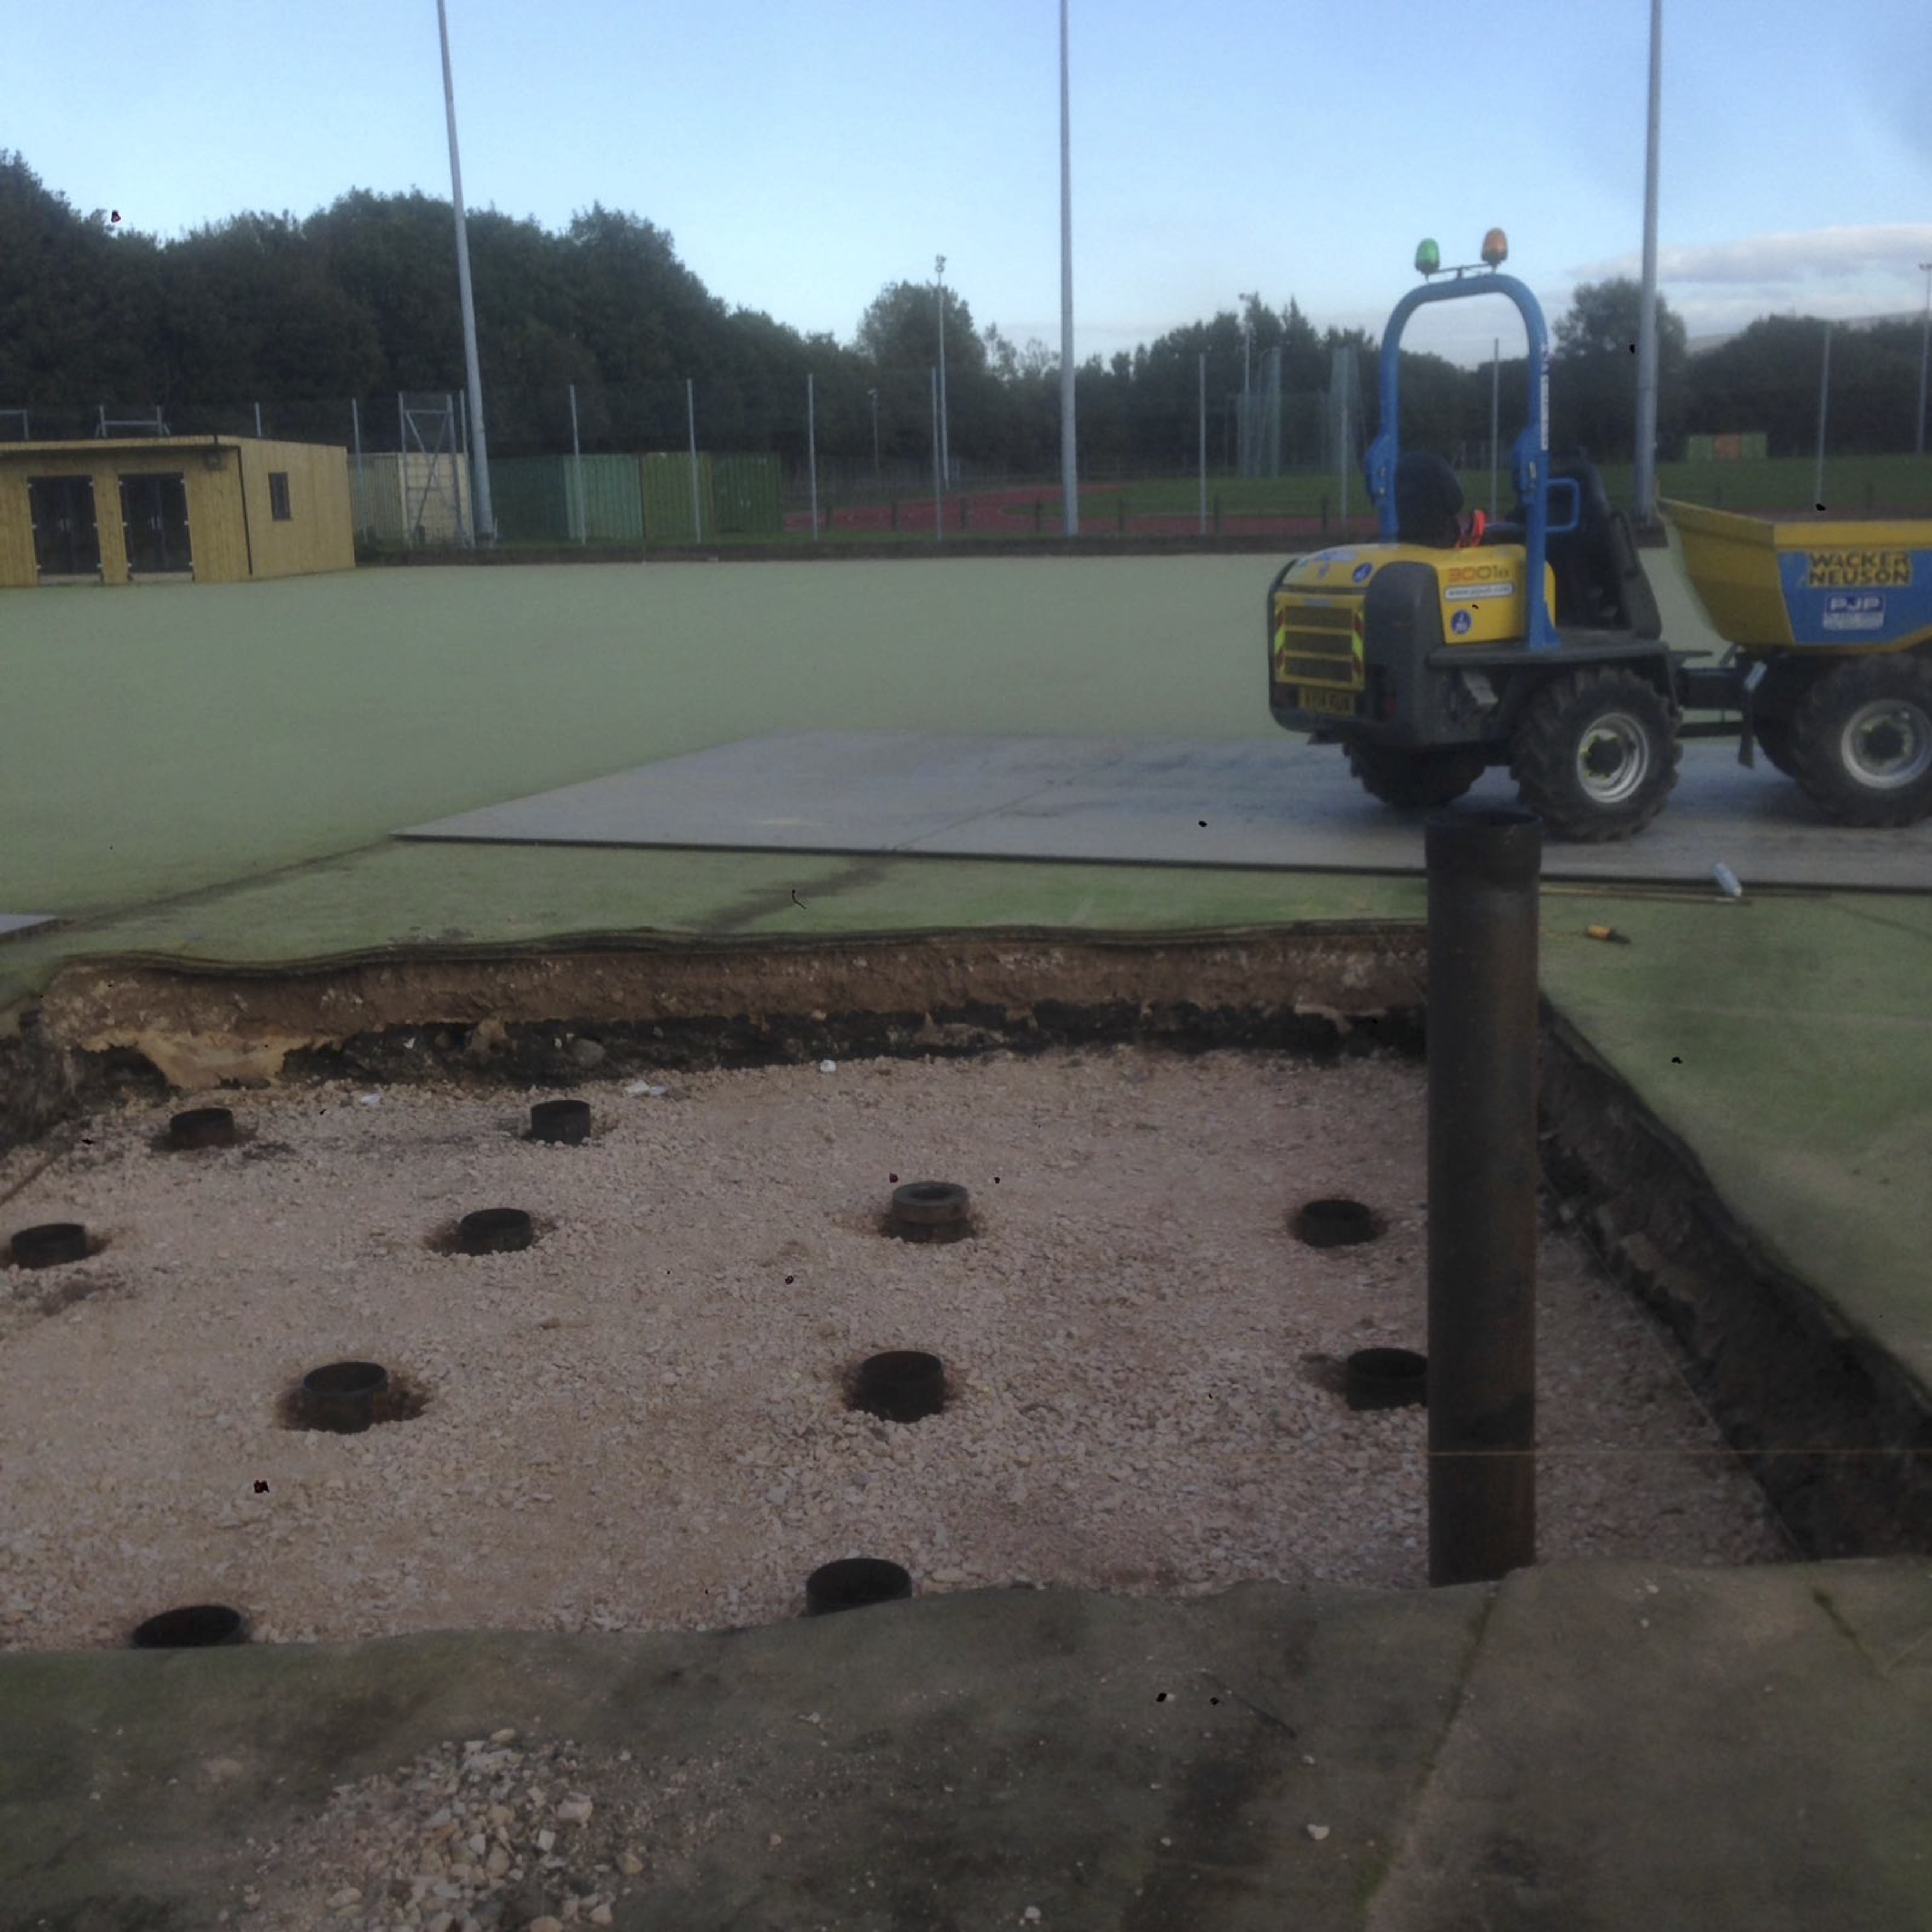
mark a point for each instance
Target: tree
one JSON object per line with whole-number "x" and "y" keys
{"x": 900, "y": 330}
{"x": 1593, "y": 386}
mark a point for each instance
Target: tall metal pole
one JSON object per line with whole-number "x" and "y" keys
{"x": 690, "y": 416}
{"x": 1646, "y": 326}
{"x": 1925, "y": 343}
{"x": 945, "y": 454}
{"x": 812, "y": 449}
{"x": 1496, "y": 382}
{"x": 1348, "y": 447}
{"x": 361, "y": 482}
{"x": 1482, "y": 1048}
{"x": 465, "y": 532}
{"x": 938, "y": 491}
{"x": 875, "y": 395}
{"x": 577, "y": 461}
{"x": 1204, "y": 446}
{"x": 486, "y": 523}
{"x": 1824, "y": 397}
{"x": 1069, "y": 484}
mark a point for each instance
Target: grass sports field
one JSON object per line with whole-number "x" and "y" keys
{"x": 184, "y": 737}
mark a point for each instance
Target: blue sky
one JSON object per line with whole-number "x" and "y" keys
{"x": 801, "y": 156}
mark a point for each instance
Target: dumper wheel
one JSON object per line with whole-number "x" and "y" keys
{"x": 1774, "y": 740}
{"x": 1595, "y": 754}
{"x": 1861, "y": 741}
{"x": 1397, "y": 777}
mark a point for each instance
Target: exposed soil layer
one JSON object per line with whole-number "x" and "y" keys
{"x": 106, "y": 1027}
{"x": 1837, "y": 1431}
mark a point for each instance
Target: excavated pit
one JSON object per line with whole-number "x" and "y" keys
{"x": 1120, "y": 1323}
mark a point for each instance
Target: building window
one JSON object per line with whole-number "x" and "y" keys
{"x": 278, "y": 495}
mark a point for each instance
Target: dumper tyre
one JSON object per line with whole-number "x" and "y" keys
{"x": 1773, "y": 738}
{"x": 1861, "y": 741}
{"x": 1594, "y": 754}
{"x": 1414, "y": 778}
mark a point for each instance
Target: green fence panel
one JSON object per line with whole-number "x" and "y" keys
{"x": 667, "y": 489}
{"x": 748, "y": 491}
{"x": 613, "y": 505}
{"x": 528, "y": 496}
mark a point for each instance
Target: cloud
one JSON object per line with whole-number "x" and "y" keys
{"x": 1767, "y": 263}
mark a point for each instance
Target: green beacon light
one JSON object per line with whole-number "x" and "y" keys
{"x": 1428, "y": 258}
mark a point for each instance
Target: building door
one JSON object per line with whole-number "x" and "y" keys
{"x": 67, "y": 541}
{"x": 154, "y": 514}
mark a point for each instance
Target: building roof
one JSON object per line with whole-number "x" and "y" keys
{"x": 104, "y": 444}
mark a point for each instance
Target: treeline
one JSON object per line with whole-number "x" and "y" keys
{"x": 359, "y": 300}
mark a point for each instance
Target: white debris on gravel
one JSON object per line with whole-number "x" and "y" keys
{"x": 639, "y": 1422}
{"x": 471, "y": 1837}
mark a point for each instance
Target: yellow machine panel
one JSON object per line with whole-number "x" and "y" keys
{"x": 1318, "y": 610}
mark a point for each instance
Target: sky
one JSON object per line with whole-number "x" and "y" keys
{"x": 802, "y": 156}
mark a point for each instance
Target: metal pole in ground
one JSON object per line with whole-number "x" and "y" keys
{"x": 361, "y": 482}
{"x": 945, "y": 454}
{"x": 1495, "y": 393}
{"x": 1069, "y": 464}
{"x": 690, "y": 416}
{"x": 938, "y": 498}
{"x": 811, "y": 450}
{"x": 1204, "y": 446}
{"x": 1644, "y": 509}
{"x": 577, "y": 462}
{"x": 1482, "y": 1024}
{"x": 1824, "y": 397}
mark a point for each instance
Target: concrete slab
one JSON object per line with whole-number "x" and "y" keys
{"x": 1596, "y": 1747}
{"x": 1279, "y": 805}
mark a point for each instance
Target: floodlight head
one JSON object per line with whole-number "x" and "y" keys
{"x": 1428, "y": 258}
{"x": 1495, "y": 248}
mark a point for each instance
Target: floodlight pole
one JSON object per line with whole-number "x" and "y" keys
{"x": 1203, "y": 407}
{"x": 1245, "y": 441}
{"x": 1069, "y": 478}
{"x": 1824, "y": 397}
{"x": 486, "y": 523}
{"x": 1496, "y": 392}
{"x": 1925, "y": 342}
{"x": 945, "y": 454}
{"x": 812, "y": 449}
{"x": 1645, "y": 479}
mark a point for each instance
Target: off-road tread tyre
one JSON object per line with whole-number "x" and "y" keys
{"x": 1542, "y": 753}
{"x": 1818, "y": 720}
{"x": 1415, "y": 779}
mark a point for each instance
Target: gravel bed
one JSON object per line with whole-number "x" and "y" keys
{"x": 639, "y": 1422}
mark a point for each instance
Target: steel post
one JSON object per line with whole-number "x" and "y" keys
{"x": 361, "y": 482}
{"x": 812, "y": 449}
{"x": 938, "y": 491}
{"x": 1204, "y": 445}
{"x": 577, "y": 461}
{"x": 1482, "y": 1045}
{"x": 690, "y": 417}
{"x": 1644, "y": 477}
{"x": 1069, "y": 462}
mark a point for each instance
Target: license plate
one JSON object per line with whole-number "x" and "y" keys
{"x": 1332, "y": 703}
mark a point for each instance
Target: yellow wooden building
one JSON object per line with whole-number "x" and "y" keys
{"x": 171, "y": 509}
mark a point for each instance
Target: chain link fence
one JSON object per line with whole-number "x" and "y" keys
{"x": 698, "y": 459}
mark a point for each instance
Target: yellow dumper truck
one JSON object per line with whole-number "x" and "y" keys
{"x": 1443, "y": 649}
